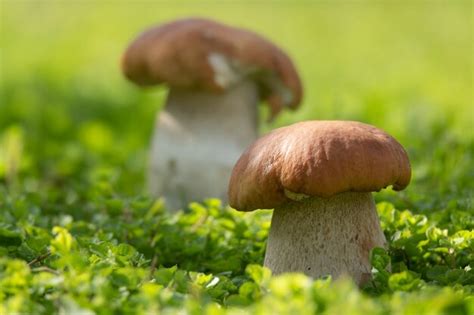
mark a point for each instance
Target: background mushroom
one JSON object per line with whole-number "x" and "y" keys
{"x": 217, "y": 75}
{"x": 318, "y": 176}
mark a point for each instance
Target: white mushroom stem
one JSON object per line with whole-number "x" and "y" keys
{"x": 325, "y": 236}
{"x": 197, "y": 140}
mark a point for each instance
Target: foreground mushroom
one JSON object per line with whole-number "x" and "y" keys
{"x": 318, "y": 176}
{"x": 217, "y": 75}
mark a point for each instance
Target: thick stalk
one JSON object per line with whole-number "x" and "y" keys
{"x": 325, "y": 236}
{"x": 197, "y": 140}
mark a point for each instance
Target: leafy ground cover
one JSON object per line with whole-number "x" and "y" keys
{"x": 79, "y": 235}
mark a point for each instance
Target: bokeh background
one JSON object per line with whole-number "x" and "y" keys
{"x": 70, "y": 121}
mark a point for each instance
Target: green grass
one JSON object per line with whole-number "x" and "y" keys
{"x": 73, "y": 150}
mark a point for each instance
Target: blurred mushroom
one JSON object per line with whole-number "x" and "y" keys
{"x": 217, "y": 75}
{"x": 318, "y": 176}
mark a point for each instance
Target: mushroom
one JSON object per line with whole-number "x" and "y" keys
{"x": 216, "y": 76}
{"x": 318, "y": 177}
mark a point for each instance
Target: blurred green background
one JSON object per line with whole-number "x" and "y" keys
{"x": 68, "y": 119}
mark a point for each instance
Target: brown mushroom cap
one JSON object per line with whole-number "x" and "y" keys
{"x": 317, "y": 158}
{"x": 189, "y": 54}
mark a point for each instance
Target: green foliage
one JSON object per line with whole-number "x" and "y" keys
{"x": 76, "y": 236}
{"x": 208, "y": 260}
